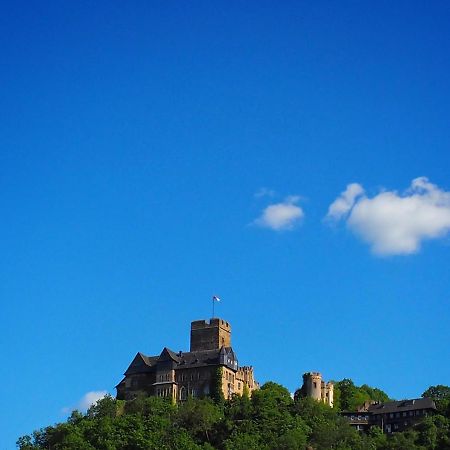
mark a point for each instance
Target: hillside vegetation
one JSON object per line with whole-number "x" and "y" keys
{"x": 269, "y": 420}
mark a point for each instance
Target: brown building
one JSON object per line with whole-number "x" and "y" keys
{"x": 211, "y": 360}
{"x": 400, "y": 415}
{"x": 391, "y": 416}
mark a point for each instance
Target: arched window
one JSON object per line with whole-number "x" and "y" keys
{"x": 183, "y": 393}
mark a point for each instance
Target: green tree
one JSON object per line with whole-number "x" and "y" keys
{"x": 198, "y": 417}
{"x": 374, "y": 394}
{"x": 216, "y": 386}
{"x": 105, "y": 407}
{"x": 403, "y": 441}
{"x": 427, "y": 433}
{"x": 347, "y": 392}
{"x": 244, "y": 441}
{"x": 348, "y": 397}
{"x": 441, "y": 396}
{"x": 276, "y": 422}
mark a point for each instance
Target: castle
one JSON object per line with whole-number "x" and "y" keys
{"x": 316, "y": 388}
{"x": 210, "y": 362}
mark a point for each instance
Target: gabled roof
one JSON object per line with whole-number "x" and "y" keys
{"x": 402, "y": 405}
{"x": 168, "y": 355}
{"x": 142, "y": 363}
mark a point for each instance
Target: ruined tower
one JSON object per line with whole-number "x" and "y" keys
{"x": 328, "y": 393}
{"x": 312, "y": 384}
{"x": 210, "y": 335}
{"x": 318, "y": 389}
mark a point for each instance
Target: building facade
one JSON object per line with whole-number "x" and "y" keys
{"x": 211, "y": 362}
{"x": 391, "y": 416}
{"x": 400, "y": 415}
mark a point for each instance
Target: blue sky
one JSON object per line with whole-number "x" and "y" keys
{"x": 153, "y": 154}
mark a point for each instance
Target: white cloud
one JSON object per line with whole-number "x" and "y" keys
{"x": 393, "y": 223}
{"x": 86, "y": 401}
{"x": 344, "y": 203}
{"x": 281, "y": 216}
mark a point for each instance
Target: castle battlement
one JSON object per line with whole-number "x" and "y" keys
{"x": 210, "y": 335}
{"x": 213, "y": 322}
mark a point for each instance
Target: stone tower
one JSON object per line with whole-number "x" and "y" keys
{"x": 210, "y": 335}
{"x": 318, "y": 389}
{"x": 328, "y": 393}
{"x": 312, "y": 382}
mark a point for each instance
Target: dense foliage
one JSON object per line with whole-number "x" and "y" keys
{"x": 270, "y": 419}
{"x": 347, "y": 396}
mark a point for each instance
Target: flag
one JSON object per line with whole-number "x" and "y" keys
{"x": 215, "y": 298}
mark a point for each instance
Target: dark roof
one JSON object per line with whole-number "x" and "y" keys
{"x": 167, "y": 355}
{"x": 142, "y": 363}
{"x": 402, "y": 405}
{"x": 149, "y": 360}
{"x": 200, "y": 358}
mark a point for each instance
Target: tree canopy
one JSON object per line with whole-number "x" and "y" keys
{"x": 269, "y": 420}
{"x": 348, "y": 396}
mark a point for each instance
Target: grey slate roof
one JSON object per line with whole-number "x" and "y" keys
{"x": 402, "y": 405}
{"x": 143, "y": 363}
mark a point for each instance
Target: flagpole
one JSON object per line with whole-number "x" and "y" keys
{"x": 214, "y": 299}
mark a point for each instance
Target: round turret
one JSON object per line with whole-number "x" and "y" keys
{"x": 312, "y": 383}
